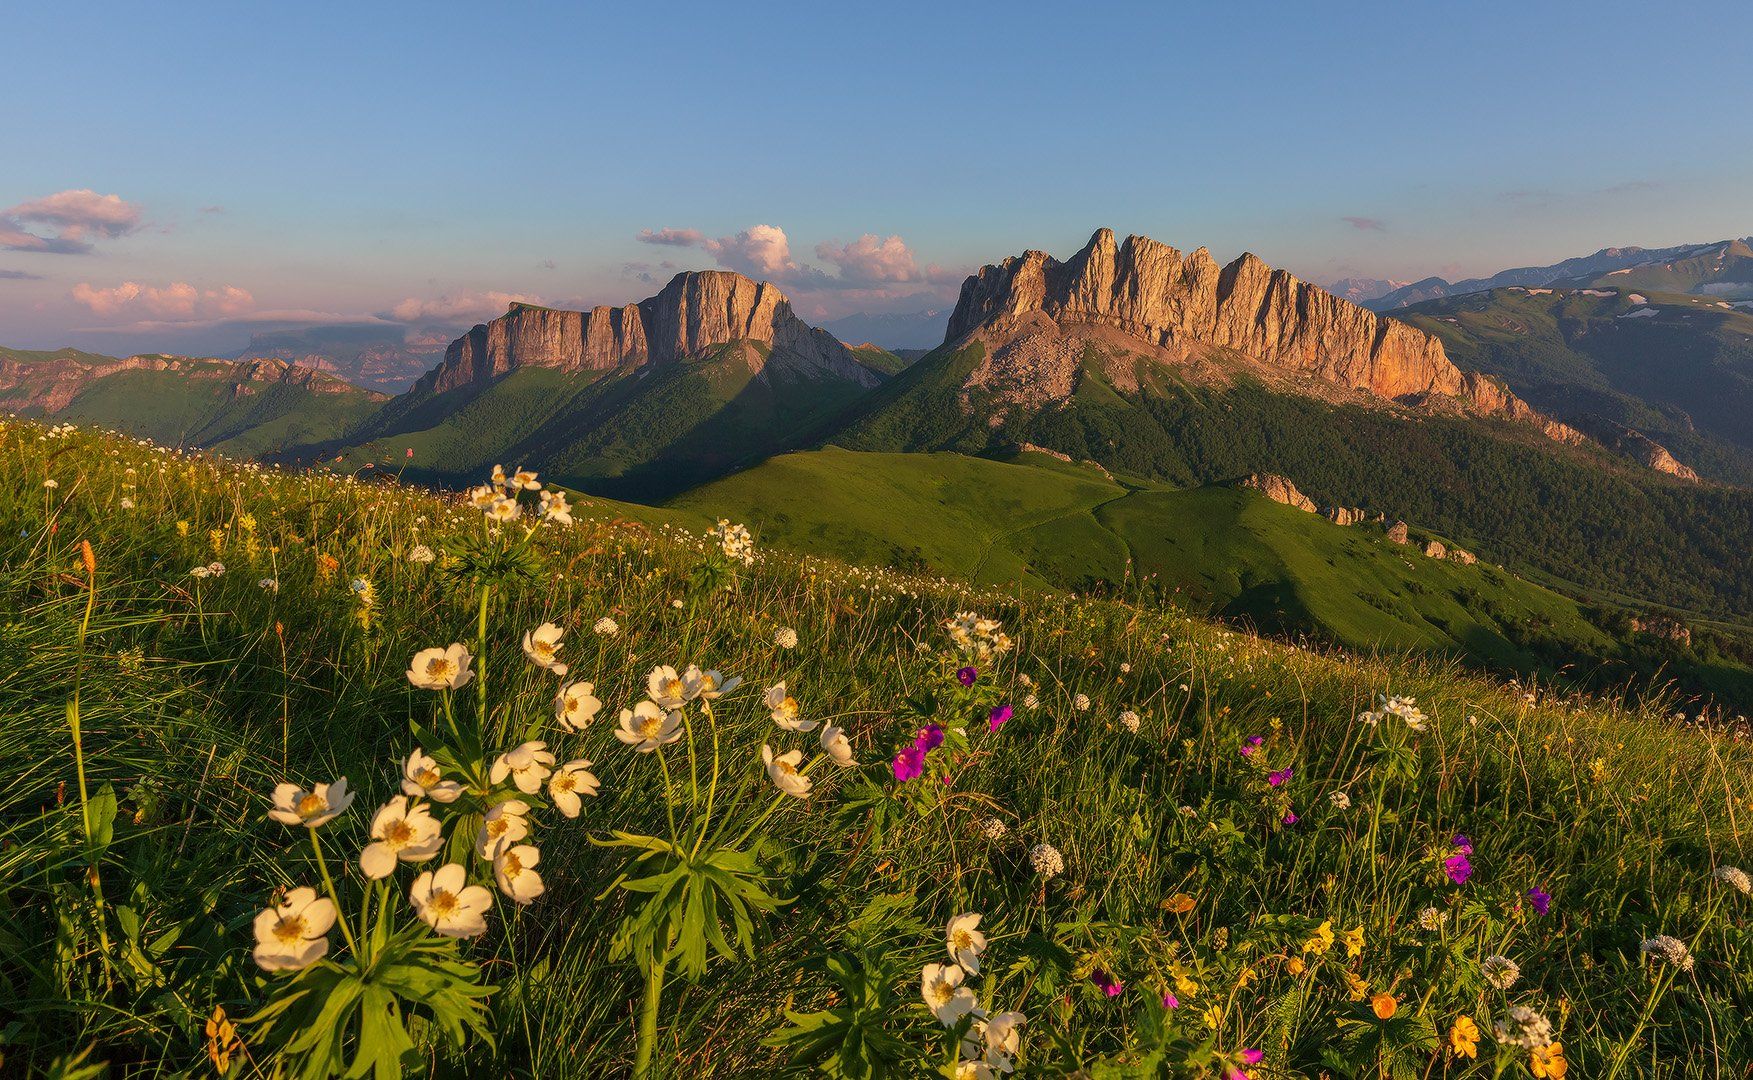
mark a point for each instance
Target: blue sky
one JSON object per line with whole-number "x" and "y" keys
{"x": 420, "y": 163}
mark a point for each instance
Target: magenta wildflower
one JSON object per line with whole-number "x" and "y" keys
{"x": 1107, "y": 983}
{"x": 1170, "y": 1001}
{"x": 930, "y": 738}
{"x": 1252, "y": 1057}
{"x": 1459, "y": 867}
{"x": 997, "y": 717}
{"x": 967, "y": 675}
{"x": 1290, "y": 818}
{"x": 1252, "y": 745}
{"x": 1463, "y": 844}
{"x": 909, "y": 763}
{"x": 1541, "y": 899}
{"x": 1279, "y": 777}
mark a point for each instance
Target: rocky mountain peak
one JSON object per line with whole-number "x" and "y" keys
{"x": 1152, "y": 292}
{"x": 693, "y": 314}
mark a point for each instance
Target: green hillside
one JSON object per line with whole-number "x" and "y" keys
{"x": 196, "y": 404}
{"x": 1722, "y": 270}
{"x": 1036, "y": 522}
{"x": 641, "y": 433}
{"x": 1678, "y": 368}
{"x": 1573, "y": 514}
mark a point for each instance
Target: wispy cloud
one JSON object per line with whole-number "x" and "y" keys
{"x": 62, "y": 223}
{"x": 1366, "y": 224}
{"x": 19, "y": 275}
{"x": 672, "y": 237}
{"x": 178, "y": 300}
{"x": 457, "y": 307}
{"x": 212, "y": 209}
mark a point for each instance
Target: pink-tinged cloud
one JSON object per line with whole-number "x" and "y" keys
{"x": 672, "y": 237}
{"x": 177, "y": 301}
{"x": 870, "y": 259}
{"x": 761, "y": 251}
{"x": 458, "y": 307}
{"x": 1366, "y": 224}
{"x": 60, "y": 224}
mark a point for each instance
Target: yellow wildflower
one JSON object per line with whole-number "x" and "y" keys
{"x": 1464, "y": 1037}
{"x": 1178, "y": 904}
{"x": 1384, "y": 1006}
{"x": 1296, "y": 966}
{"x": 1356, "y": 987}
{"x": 1354, "y": 941}
{"x": 1321, "y": 940}
{"x": 1548, "y": 1061}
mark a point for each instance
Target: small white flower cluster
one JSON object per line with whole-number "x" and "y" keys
{"x": 785, "y": 637}
{"x": 978, "y": 637}
{"x": 1403, "y": 708}
{"x": 421, "y": 554}
{"x": 1047, "y": 861}
{"x": 734, "y": 541}
{"x": 1341, "y": 800}
{"x": 212, "y": 569}
{"x": 1735, "y": 878}
{"x": 1523, "y": 1027}
{"x": 1430, "y": 919}
{"x": 990, "y": 1046}
{"x": 1669, "y": 948}
{"x": 1500, "y": 971}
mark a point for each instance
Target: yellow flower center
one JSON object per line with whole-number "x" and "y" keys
{"x": 650, "y": 726}
{"x": 496, "y": 827}
{"x": 941, "y": 994}
{"x": 398, "y": 833}
{"x": 441, "y": 903}
{"x": 440, "y": 670}
{"x": 426, "y": 778}
{"x": 672, "y": 688}
{"x": 785, "y": 768}
{"x": 510, "y": 865}
{"x": 289, "y": 929}
{"x": 564, "y": 782}
{"x": 311, "y": 805}
{"x": 962, "y": 940}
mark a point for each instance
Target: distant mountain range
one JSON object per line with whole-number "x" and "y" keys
{"x": 376, "y": 356}
{"x": 895, "y": 332}
{"x": 1684, "y": 268}
{"x": 1161, "y": 368}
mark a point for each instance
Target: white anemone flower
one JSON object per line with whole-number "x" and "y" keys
{"x": 400, "y": 832}
{"x": 501, "y": 827}
{"x": 1003, "y": 1039}
{"x": 670, "y": 688}
{"x": 527, "y": 764}
{"x": 577, "y": 705}
{"x": 837, "y": 746}
{"x": 569, "y": 782}
{"x": 446, "y": 902}
{"x": 966, "y": 942}
{"x": 483, "y": 497}
{"x": 295, "y": 806}
{"x": 555, "y": 508}
{"x": 782, "y": 770}
{"x": 421, "y": 776}
{"x": 526, "y": 479}
{"x": 646, "y": 726}
{"x": 542, "y": 647}
{"x": 499, "y": 479}
{"x": 940, "y": 985}
{"x": 503, "y": 509}
{"x": 515, "y": 872}
{"x": 713, "y": 684}
{"x": 441, "y": 669}
{"x": 787, "y": 713}
{"x": 294, "y": 934}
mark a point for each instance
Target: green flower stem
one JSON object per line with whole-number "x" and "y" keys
{"x": 669, "y": 807}
{"x": 712, "y": 782}
{"x": 654, "y": 972}
{"x": 77, "y": 731}
{"x": 316, "y": 848}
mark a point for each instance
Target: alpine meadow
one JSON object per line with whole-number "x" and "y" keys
{"x": 604, "y": 543}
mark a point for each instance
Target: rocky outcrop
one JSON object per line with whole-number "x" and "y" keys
{"x": 1663, "y": 626}
{"x": 1278, "y": 489}
{"x": 1646, "y": 451}
{"x": 49, "y": 385}
{"x": 1436, "y": 549}
{"x": 1343, "y": 515}
{"x": 1464, "y": 557}
{"x": 1397, "y": 532}
{"x": 1154, "y": 293}
{"x": 695, "y": 313}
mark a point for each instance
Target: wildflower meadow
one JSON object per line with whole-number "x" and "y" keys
{"x": 316, "y": 777}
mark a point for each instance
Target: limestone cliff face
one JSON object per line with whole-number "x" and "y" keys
{"x": 1155, "y": 293}
{"x": 695, "y": 312}
{"x": 1278, "y": 489}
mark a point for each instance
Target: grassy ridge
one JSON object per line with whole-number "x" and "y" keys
{"x": 201, "y": 693}
{"x": 1037, "y": 522}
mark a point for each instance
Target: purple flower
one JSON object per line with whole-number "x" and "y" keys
{"x": 967, "y": 675}
{"x": 1107, "y": 983}
{"x": 1290, "y": 818}
{"x": 1541, "y": 899}
{"x": 1279, "y": 777}
{"x": 1465, "y": 845}
{"x": 930, "y": 738}
{"x": 909, "y": 763}
{"x": 1252, "y": 1057}
{"x": 1253, "y": 744}
{"x": 1459, "y": 867}
{"x": 997, "y": 717}
{"x": 1170, "y": 1001}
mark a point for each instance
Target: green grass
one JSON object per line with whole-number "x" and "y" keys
{"x": 1037, "y": 522}
{"x": 199, "y": 694}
